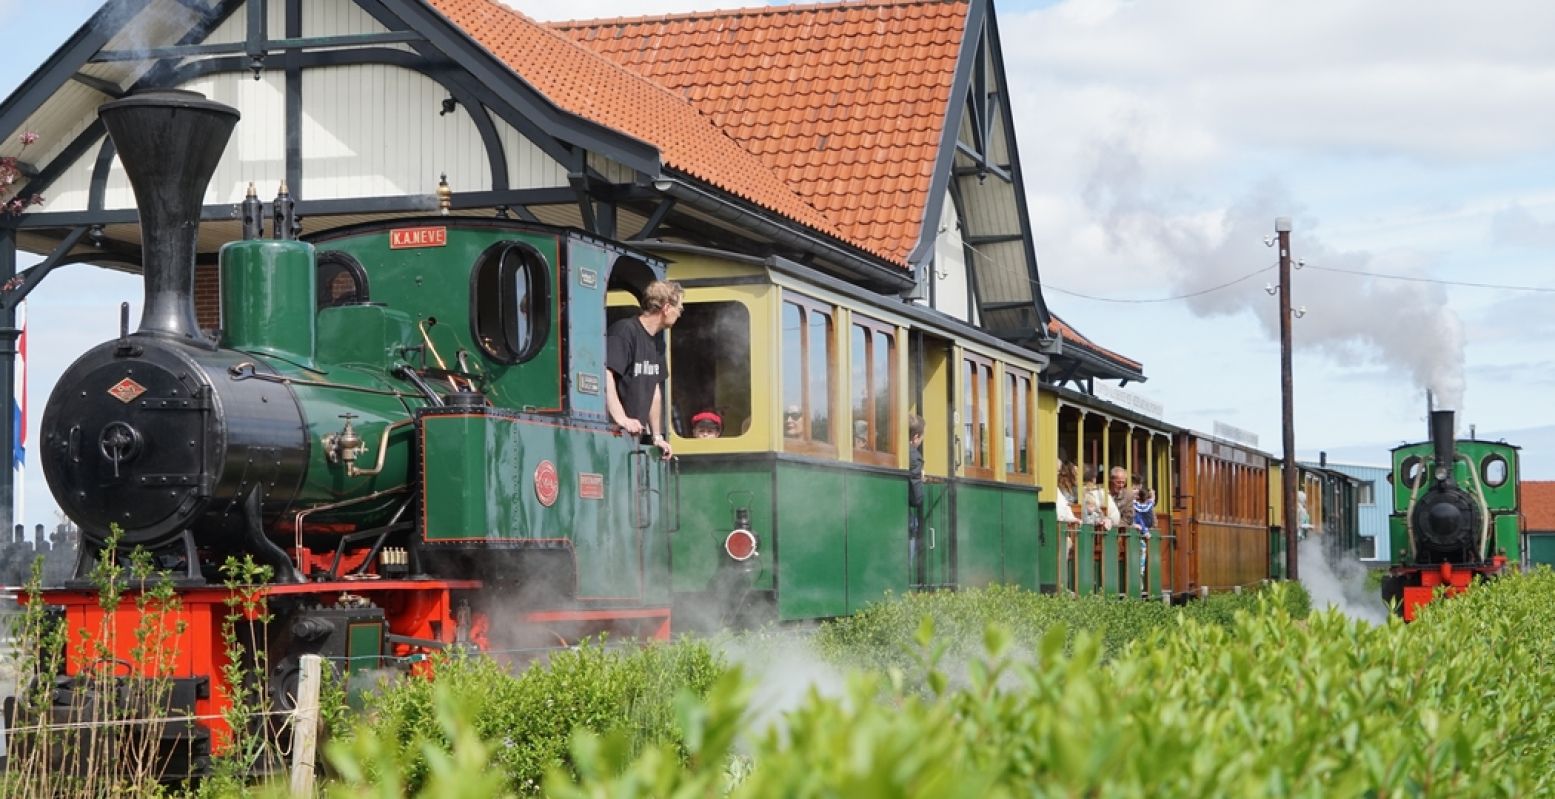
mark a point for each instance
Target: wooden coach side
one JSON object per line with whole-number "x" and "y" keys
{"x": 1224, "y": 500}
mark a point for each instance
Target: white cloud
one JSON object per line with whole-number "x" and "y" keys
{"x": 1516, "y": 226}
{"x": 1159, "y": 140}
{"x": 1436, "y": 80}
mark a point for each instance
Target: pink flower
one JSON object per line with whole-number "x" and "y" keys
{"x": 28, "y": 137}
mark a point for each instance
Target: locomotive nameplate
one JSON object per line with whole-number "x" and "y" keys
{"x": 591, "y": 486}
{"x": 406, "y": 238}
{"x": 588, "y": 383}
{"x": 547, "y": 484}
{"x": 588, "y": 278}
{"x": 126, "y": 390}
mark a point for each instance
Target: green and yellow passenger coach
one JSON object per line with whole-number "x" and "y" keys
{"x": 799, "y": 509}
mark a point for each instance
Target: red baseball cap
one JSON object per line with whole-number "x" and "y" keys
{"x": 709, "y": 417}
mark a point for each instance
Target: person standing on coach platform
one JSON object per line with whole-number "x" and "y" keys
{"x": 915, "y": 427}
{"x": 634, "y": 355}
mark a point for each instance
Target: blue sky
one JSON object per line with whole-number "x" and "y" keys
{"x": 1159, "y": 139}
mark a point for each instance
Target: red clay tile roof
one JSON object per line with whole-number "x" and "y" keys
{"x": 591, "y": 86}
{"x": 1059, "y": 327}
{"x": 845, "y": 102}
{"x": 1539, "y": 505}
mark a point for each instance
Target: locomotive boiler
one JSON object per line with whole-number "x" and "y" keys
{"x": 151, "y": 432}
{"x": 1455, "y": 515}
{"x": 404, "y": 421}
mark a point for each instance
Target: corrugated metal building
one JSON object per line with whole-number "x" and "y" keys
{"x": 1373, "y": 510}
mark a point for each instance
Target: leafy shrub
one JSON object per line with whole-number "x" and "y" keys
{"x": 525, "y": 721}
{"x": 881, "y": 635}
{"x": 1454, "y": 705}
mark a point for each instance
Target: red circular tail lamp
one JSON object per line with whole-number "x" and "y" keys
{"x": 740, "y": 544}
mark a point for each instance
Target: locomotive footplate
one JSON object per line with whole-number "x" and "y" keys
{"x": 1446, "y": 577}
{"x": 350, "y": 622}
{"x": 651, "y": 623}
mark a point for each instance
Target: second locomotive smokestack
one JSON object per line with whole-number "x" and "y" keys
{"x": 1442, "y": 435}
{"x": 169, "y": 142}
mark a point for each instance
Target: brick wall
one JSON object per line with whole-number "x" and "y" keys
{"x": 207, "y": 297}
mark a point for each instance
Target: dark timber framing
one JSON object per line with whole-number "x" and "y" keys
{"x": 417, "y": 38}
{"x": 977, "y": 101}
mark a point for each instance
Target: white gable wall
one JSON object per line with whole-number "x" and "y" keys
{"x": 367, "y": 130}
{"x": 949, "y": 269}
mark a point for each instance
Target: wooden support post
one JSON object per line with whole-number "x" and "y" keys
{"x": 305, "y": 723}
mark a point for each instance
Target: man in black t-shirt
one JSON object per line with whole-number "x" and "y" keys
{"x": 634, "y": 355}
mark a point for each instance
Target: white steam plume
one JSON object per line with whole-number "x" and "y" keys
{"x": 1401, "y": 325}
{"x": 784, "y": 670}
{"x": 1339, "y": 585}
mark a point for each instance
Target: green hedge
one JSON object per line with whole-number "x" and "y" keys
{"x": 884, "y": 635}
{"x": 1454, "y": 705}
{"x": 1235, "y": 696}
{"x": 525, "y": 721}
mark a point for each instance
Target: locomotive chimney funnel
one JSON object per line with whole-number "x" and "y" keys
{"x": 1442, "y": 432}
{"x": 169, "y": 142}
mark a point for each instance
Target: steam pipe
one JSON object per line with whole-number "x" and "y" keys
{"x": 169, "y": 142}
{"x": 1442, "y": 440}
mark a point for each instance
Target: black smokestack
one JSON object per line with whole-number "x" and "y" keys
{"x": 169, "y": 142}
{"x": 1442, "y": 439}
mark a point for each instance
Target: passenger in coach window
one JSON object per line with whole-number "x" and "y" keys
{"x": 1068, "y": 492}
{"x": 707, "y": 424}
{"x": 791, "y": 422}
{"x": 634, "y": 356}
{"x": 1096, "y": 506}
{"x": 1120, "y": 489}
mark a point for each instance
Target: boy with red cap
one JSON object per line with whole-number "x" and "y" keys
{"x": 707, "y": 424}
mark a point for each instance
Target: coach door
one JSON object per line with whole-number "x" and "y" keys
{"x": 930, "y": 363}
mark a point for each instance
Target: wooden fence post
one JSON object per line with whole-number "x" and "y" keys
{"x": 305, "y": 723}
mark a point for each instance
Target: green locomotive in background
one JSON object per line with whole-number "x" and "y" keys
{"x": 1456, "y": 515}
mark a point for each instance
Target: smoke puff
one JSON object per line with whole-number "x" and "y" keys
{"x": 1339, "y": 585}
{"x": 1404, "y": 325}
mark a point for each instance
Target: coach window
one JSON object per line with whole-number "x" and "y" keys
{"x": 874, "y": 379}
{"x": 710, "y": 365}
{"x": 976, "y": 402}
{"x": 1017, "y": 425}
{"x": 808, "y": 359}
{"x": 511, "y": 302}
{"x": 341, "y": 280}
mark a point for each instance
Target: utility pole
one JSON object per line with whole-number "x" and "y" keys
{"x": 1287, "y": 401}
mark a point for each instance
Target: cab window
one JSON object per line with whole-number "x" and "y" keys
{"x": 1493, "y": 471}
{"x": 510, "y": 302}
{"x": 710, "y": 366}
{"x": 341, "y": 280}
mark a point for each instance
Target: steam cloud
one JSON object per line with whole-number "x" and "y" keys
{"x": 1339, "y": 585}
{"x": 1403, "y": 326}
